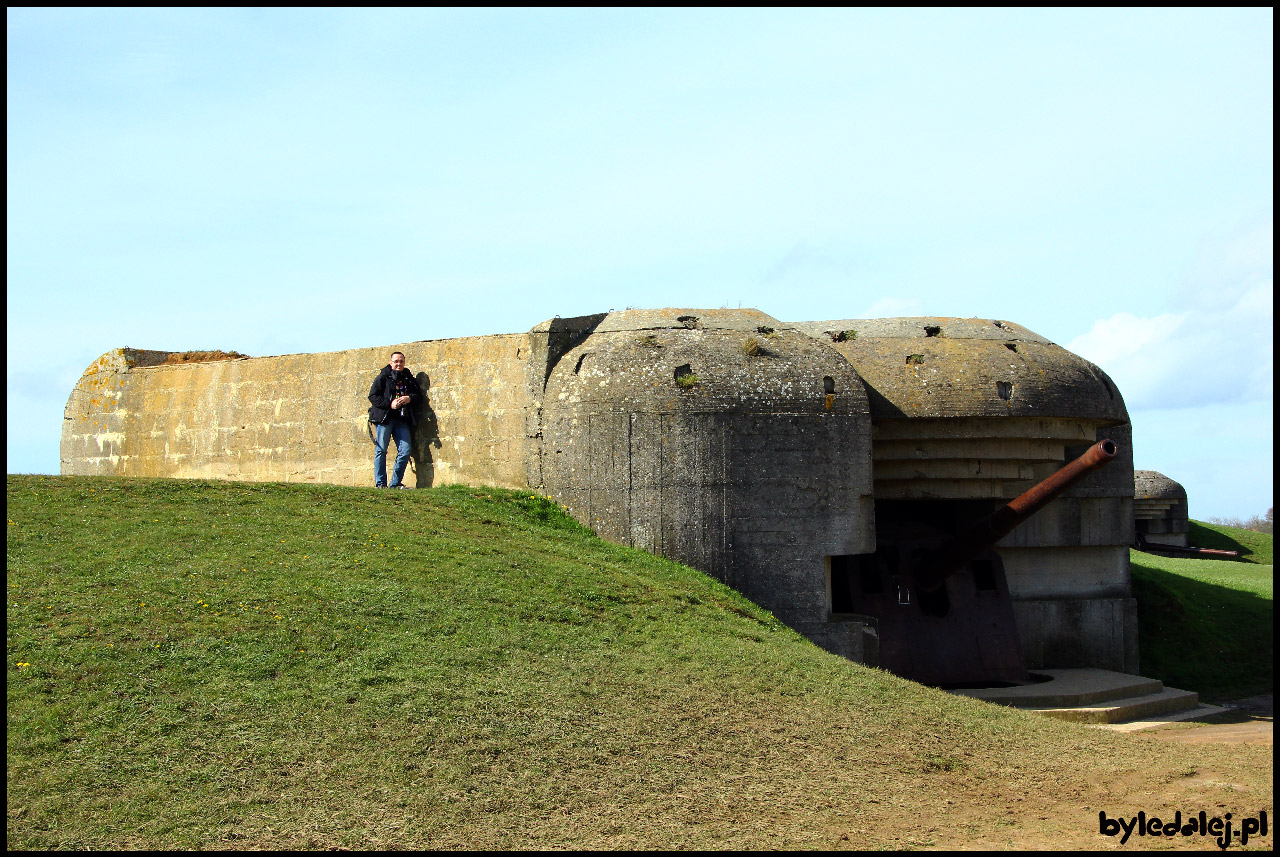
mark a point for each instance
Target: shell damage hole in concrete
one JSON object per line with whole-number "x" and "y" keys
{"x": 765, "y": 330}
{"x": 932, "y": 330}
{"x": 828, "y": 384}
{"x": 998, "y": 324}
{"x": 842, "y": 335}
{"x": 915, "y": 359}
{"x": 684, "y": 376}
{"x": 1004, "y": 390}
{"x": 578, "y": 366}
{"x": 690, "y": 322}
{"x": 1011, "y": 346}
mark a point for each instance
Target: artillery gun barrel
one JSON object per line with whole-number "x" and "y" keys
{"x": 947, "y": 559}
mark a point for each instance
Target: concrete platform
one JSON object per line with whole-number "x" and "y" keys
{"x": 1200, "y": 711}
{"x": 1097, "y": 697}
{"x": 1256, "y": 711}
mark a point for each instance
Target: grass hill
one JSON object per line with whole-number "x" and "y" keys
{"x": 228, "y": 665}
{"x": 1252, "y": 546}
{"x": 1208, "y": 624}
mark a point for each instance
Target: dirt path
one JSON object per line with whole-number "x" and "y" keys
{"x": 1249, "y": 722}
{"x": 1049, "y": 820}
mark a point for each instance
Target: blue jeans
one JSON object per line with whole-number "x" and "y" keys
{"x": 400, "y": 430}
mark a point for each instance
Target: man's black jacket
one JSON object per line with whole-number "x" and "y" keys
{"x": 384, "y": 390}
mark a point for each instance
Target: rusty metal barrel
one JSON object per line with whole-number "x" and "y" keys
{"x": 946, "y": 560}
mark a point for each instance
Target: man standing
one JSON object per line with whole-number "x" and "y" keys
{"x": 393, "y": 396}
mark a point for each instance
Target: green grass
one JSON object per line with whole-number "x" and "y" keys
{"x": 1253, "y": 547}
{"x": 227, "y": 665}
{"x": 1207, "y": 624}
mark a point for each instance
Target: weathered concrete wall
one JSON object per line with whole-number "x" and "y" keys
{"x": 1088, "y": 632}
{"x": 300, "y": 417}
{"x": 755, "y": 472}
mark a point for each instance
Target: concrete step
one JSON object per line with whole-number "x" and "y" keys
{"x": 1067, "y": 688}
{"x": 1125, "y": 710}
{"x": 1092, "y": 696}
{"x": 1200, "y": 712}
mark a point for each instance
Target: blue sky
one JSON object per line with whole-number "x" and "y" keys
{"x": 281, "y": 181}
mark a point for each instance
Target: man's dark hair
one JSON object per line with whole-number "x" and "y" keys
{"x": 394, "y": 353}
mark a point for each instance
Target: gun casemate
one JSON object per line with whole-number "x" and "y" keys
{"x": 941, "y": 604}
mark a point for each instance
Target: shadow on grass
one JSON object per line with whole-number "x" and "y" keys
{"x": 1201, "y": 536}
{"x": 1197, "y": 636}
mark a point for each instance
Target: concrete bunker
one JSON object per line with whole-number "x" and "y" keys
{"x": 803, "y": 471}
{"x": 1160, "y": 512}
{"x": 754, "y": 473}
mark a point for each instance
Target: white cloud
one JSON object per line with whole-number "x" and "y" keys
{"x": 1218, "y": 350}
{"x": 1188, "y": 359}
{"x": 1123, "y": 338}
